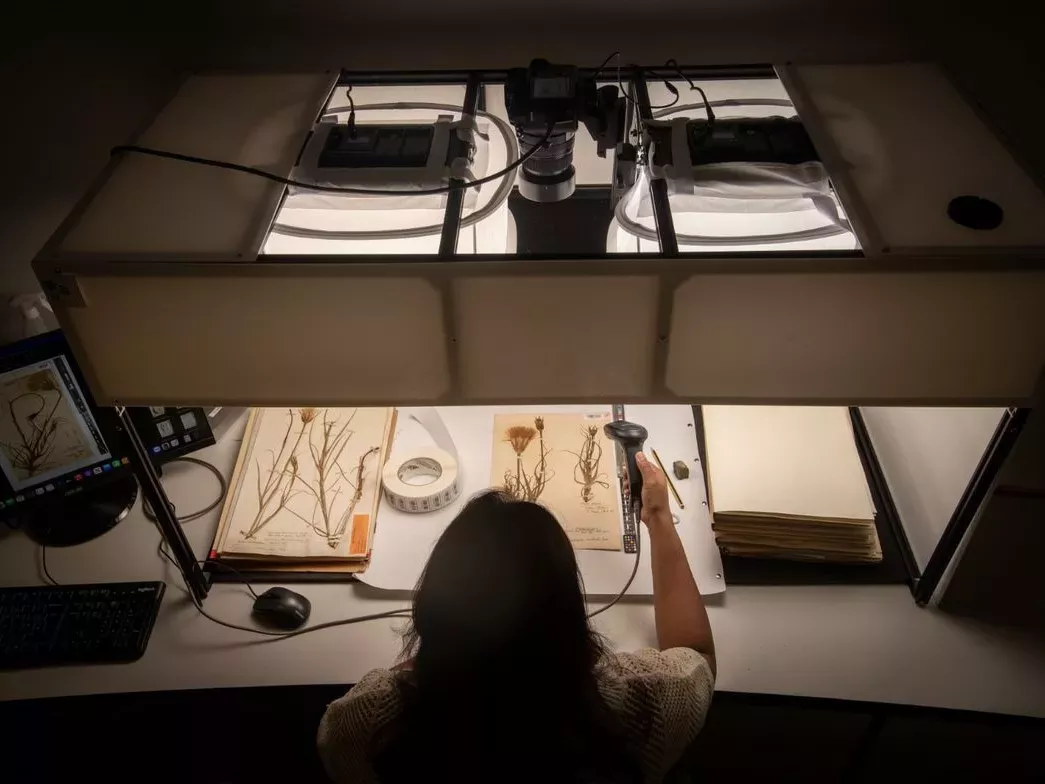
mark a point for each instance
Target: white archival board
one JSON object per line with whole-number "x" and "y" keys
{"x": 403, "y": 541}
{"x": 785, "y": 460}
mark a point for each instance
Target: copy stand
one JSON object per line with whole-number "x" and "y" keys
{"x": 173, "y": 534}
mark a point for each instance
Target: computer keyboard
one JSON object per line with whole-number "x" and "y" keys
{"x": 76, "y": 624}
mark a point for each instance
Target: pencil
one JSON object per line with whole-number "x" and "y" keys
{"x": 671, "y": 485}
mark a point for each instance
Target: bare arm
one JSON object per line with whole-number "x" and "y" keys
{"x": 682, "y": 621}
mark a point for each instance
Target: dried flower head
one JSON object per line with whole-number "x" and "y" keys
{"x": 539, "y": 422}
{"x": 307, "y": 414}
{"x": 520, "y": 437}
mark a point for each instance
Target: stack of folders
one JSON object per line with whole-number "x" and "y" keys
{"x": 787, "y": 482}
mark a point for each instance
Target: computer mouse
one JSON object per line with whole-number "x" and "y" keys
{"x": 282, "y": 608}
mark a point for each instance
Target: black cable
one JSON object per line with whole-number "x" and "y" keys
{"x": 620, "y": 84}
{"x": 228, "y": 568}
{"x": 276, "y": 636}
{"x": 671, "y": 89}
{"x": 634, "y": 571}
{"x": 266, "y": 175}
{"x": 351, "y": 113}
{"x": 161, "y": 550}
{"x": 222, "y": 565}
{"x": 330, "y": 624}
{"x": 605, "y": 62}
{"x": 43, "y": 563}
{"x": 673, "y": 65}
{"x": 150, "y": 515}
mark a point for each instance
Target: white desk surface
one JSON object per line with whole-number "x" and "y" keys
{"x": 403, "y": 541}
{"x": 852, "y": 642}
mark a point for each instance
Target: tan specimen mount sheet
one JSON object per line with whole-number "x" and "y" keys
{"x": 307, "y": 484}
{"x": 787, "y": 482}
{"x": 566, "y": 463}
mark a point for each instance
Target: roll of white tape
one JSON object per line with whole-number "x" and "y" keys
{"x": 407, "y": 496}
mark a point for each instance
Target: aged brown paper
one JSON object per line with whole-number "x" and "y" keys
{"x": 566, "y": 463}
{"x": 307, "y": 484}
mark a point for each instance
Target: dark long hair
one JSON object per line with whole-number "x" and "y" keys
{"x": 503, "y": 679}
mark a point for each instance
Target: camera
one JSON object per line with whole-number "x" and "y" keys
{"x": 547, "y": 104}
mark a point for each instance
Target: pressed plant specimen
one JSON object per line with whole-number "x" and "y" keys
{"x": 524, "y": 485}
{"x": 326, "y": 448}
{"x": 334, "y": 538}
{"x": 586, "y": 471}
{"x": 34, "y": 416}
{"x": 277, "y": 488}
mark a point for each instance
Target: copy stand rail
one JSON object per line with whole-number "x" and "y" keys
{"x": 195, "y": 578}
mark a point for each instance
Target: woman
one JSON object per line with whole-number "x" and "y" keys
{"x": 503, "y": 679}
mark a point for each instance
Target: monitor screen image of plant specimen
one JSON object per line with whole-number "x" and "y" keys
{"x": 41, "y": 433}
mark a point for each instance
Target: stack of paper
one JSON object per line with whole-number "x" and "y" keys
{"x": 787, "y": 482}
{"x": 305, "y": 490}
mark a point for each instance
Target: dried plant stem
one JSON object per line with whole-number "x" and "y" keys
{"x": 586, "y": 471}
{"x": 325, "y": 458}
{"x": 33, "y": 454}
{"x": 278, "y": 486}
{"x": 333, "y": 537}
{"x": 342, "y": 525}
{"x": 325, "y": 488}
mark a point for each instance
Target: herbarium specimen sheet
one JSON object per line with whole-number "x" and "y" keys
{"x": 566, "y": 463}
{"x": 307, "y": 483}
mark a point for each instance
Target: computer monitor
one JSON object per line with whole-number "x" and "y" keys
{"x": 64, "y": 475}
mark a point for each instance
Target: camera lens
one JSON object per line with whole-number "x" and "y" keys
{"x": 547, "y": 175}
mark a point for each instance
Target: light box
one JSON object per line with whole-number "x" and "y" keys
{"x": 160, "y": 280}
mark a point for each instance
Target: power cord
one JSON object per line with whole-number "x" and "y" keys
{"x": 604, "y": 63}
{"x": 273, "y": 636}
{"x": 400, "y": 613}
{"x": 620, "y": 83}
{"x": 151, "y": 515}
{"x": 276, "y": 636}
{"x": 499, "y": 197}
{"x": 123, "y": 149}
{"x": 161, "y": 550}
{"x": 351, "y": 113}
{"x": 43, "y": 564}
{"x": 673, "y": 65}
{"x": 631, "y": 578}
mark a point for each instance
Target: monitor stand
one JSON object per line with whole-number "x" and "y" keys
{"x": 83, "y": 516}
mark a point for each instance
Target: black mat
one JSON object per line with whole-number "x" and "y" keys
{"x": 897, "y": 564}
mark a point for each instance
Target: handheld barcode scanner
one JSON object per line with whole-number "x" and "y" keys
{"x": 631, "y": 438}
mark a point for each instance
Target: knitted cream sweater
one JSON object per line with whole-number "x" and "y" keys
{"x": 661, "y": 697}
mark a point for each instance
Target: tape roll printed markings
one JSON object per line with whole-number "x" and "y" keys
{"x": 407, "y": 495}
